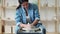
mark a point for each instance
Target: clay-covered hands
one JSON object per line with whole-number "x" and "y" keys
{"x": 26, "y": 25}
{"x": 23, "y": 25}
{"x": 29, "y": 25}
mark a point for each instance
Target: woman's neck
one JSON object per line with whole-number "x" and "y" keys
{"x": 26, "y": 10}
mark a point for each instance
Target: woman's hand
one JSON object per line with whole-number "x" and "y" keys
{"x": 26, "y": 25}
{"x": 23, "y": 25}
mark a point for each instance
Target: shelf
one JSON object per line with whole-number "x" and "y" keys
{"x": 50, "y": 6}
{"x": 9, "y": 22}
{"x": 5, "y": 19}
{"x": 14, "y": 20}
{"x": 11, "y": 7}
{"x": 16, "y": 7}
{"x": 11, "y": 3}
{"x": 47, "y": 7}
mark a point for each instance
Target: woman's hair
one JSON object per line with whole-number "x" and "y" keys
{"x": 20, "y": 2}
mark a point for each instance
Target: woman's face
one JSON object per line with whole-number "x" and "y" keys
{"x": 25, "y": 4}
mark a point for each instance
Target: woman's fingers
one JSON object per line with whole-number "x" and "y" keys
{"x": 25, "y": 25}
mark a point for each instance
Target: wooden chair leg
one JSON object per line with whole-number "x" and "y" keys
{"x": 3, "y": 26}
{"x": 11, "y": 29}
{"x": 3, "y": 29}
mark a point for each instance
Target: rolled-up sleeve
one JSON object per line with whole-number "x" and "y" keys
{"x": 18, "y": 17}
{"x": 37, "y": 16}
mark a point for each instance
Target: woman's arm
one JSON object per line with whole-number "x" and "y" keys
{"x": 36, "y": 15}
{"x": 35, "y": 22}
{"x": 18, "y": 19}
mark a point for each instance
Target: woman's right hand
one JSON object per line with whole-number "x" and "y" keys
{"x": 23, "y": 25}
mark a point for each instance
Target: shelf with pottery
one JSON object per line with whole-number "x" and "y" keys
{"x": 9, "y": 21}
{"x": 50, "y": 3}
{"x": 47, "y": 6}
{"x": 9, "y": 4}
{"x": 10, "y": 7}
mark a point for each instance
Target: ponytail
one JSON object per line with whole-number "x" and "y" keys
{"x": 18, "y": 7}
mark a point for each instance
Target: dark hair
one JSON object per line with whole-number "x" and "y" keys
{"x": 20, "y": 2}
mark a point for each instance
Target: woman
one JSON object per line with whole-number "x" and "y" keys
{"x": 27, "y": 13}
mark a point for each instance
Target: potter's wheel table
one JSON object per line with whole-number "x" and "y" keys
{"x": 31, "y": 31}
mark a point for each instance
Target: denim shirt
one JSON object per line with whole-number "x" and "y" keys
{"x": 32, "y": 12}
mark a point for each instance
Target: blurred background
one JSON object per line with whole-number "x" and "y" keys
{"x": 49, "y": 11}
